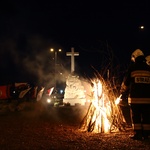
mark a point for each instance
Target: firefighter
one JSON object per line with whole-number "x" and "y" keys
{"x": 136, "y": 86}
{"x": 148, "y": 59}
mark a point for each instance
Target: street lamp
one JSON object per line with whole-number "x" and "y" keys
{"x": 55, "y": 60}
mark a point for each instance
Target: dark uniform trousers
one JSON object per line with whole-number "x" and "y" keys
{"x": 140, "y": 114}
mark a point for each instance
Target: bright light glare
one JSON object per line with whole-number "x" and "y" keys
{"x": 141, "y": 27}
{"x": 61, "y": 91}
{"x": 48, "y": 100}
{"x": 51, "y": 49}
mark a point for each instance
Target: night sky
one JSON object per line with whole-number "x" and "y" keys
{"x": 104, "y": 33}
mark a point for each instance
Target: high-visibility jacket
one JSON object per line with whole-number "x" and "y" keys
{"x": 137, "y": 82}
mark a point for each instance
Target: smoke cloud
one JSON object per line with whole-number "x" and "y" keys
{"x": 28, "y": 59}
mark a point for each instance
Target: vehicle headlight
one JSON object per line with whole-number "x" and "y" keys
{"x": 48, "y": 100}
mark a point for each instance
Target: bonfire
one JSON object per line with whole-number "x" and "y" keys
{"x": 104, "y": 114}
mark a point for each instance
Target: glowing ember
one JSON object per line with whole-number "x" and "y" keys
{"x": 104, "y": 115}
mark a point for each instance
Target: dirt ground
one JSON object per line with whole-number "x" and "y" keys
{"x": 34, "y": 127}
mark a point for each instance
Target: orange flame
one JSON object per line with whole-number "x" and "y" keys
{"x": 101, "y": 104}
{"x": 104, "y": 115}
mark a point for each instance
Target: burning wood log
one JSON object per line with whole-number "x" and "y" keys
{"x": 103, "y": 114}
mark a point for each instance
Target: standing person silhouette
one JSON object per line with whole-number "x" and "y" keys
{"x": 136, "y": 86}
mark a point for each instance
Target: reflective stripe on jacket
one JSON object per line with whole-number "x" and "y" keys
{"x": 146, "y": 127}
{"x": 138, "y": 100}
{"x": 137, "y": 82}
{"x": 137, "y": 126}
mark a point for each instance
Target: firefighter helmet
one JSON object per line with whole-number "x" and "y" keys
{"x": 136, "y": 54}
{"x": 148, "y": 59}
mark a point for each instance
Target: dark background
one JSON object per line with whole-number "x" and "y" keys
{"x": 105, "y": 33}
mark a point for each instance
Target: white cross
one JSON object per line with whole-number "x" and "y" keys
{"x": 72, "y": 54}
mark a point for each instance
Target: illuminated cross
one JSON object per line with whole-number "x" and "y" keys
{"x": 72, "y": 54}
